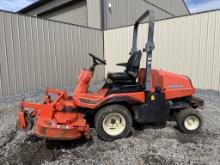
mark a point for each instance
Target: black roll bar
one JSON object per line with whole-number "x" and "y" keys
{"x": 135, "y": 31}
{"x": 149, "y": 47}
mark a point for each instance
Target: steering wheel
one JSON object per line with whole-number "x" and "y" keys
{"x": 95, "y": 59}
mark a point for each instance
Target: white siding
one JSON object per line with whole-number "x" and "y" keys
{"x": 186, "y": 45}
{"x": 37, "y": 53}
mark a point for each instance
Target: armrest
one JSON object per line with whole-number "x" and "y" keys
{"x": 121, "y": 64}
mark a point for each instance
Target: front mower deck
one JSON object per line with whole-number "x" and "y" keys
{"x": 52, "y": 121}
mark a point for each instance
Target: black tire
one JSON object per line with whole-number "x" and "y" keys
{"x": 101, "y": 115}
{"x": 29, "y": 122}
{"x": 186, "y": 114}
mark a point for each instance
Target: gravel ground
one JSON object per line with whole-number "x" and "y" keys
{"x": 152, "y": 144}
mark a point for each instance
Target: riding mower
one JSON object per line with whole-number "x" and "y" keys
{"x": 136, "y": 95}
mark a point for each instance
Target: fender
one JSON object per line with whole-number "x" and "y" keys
{"x": 118, "y": 99}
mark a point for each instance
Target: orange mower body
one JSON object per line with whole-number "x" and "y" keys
{"x": 60, "y": 118}
{"x": 136, "y": 95}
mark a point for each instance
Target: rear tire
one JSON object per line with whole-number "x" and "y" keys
{"x": 189, "y": 121}
{"x": 113, "y": 122}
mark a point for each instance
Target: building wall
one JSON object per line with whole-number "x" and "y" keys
{"x": 175, "y": 7}
{"x": 94, "y": 13}
{"x": 45, "y": 7}
{"x": 75, "y": 14}
{"x": 186, "y": 45}
{"x": 125, "y": 12}
{"x": 37, "y": 53}
{"x": 97, "y": 14}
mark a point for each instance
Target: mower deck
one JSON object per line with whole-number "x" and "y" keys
{"x": 51, "y": 119}
{"x": 49, "y": 129}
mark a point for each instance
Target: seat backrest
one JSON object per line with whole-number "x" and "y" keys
{"x": 133, "y": 64}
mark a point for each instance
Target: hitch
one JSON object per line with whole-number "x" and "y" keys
{"x": 196, "y": 102}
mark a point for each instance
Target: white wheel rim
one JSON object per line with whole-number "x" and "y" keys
{"x": 114, "y": 124}
{"x": 191, "y": 123}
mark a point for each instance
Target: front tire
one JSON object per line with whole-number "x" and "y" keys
{"x": 113, "y": 122}
{"x": 189, "y": 121}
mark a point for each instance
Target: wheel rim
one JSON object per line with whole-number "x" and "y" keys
{"x": 191, "y": 123}
{"x": 114, "y": 124}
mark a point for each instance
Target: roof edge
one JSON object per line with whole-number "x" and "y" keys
{"x": 57, "y": 8}
{"x": 184, "y": 2}
{"x": 33, "y": 5}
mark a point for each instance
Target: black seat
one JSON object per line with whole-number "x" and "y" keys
{"x": 119, "y": 75}
{"x": 120, "y": 78}
{"x": 131, "y": 72}
{"x": 124, "y": 88}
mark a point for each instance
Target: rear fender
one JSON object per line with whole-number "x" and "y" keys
{"x": 119, "y": 99}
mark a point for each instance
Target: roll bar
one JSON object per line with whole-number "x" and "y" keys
{"x": 135, "y": 31}
{"x": 149, "y": 47}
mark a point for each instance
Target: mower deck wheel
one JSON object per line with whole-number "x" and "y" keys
{"x": 113, "y": 122}
{"x": 29, "y": 123}
{"x": 189, "y": 121}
